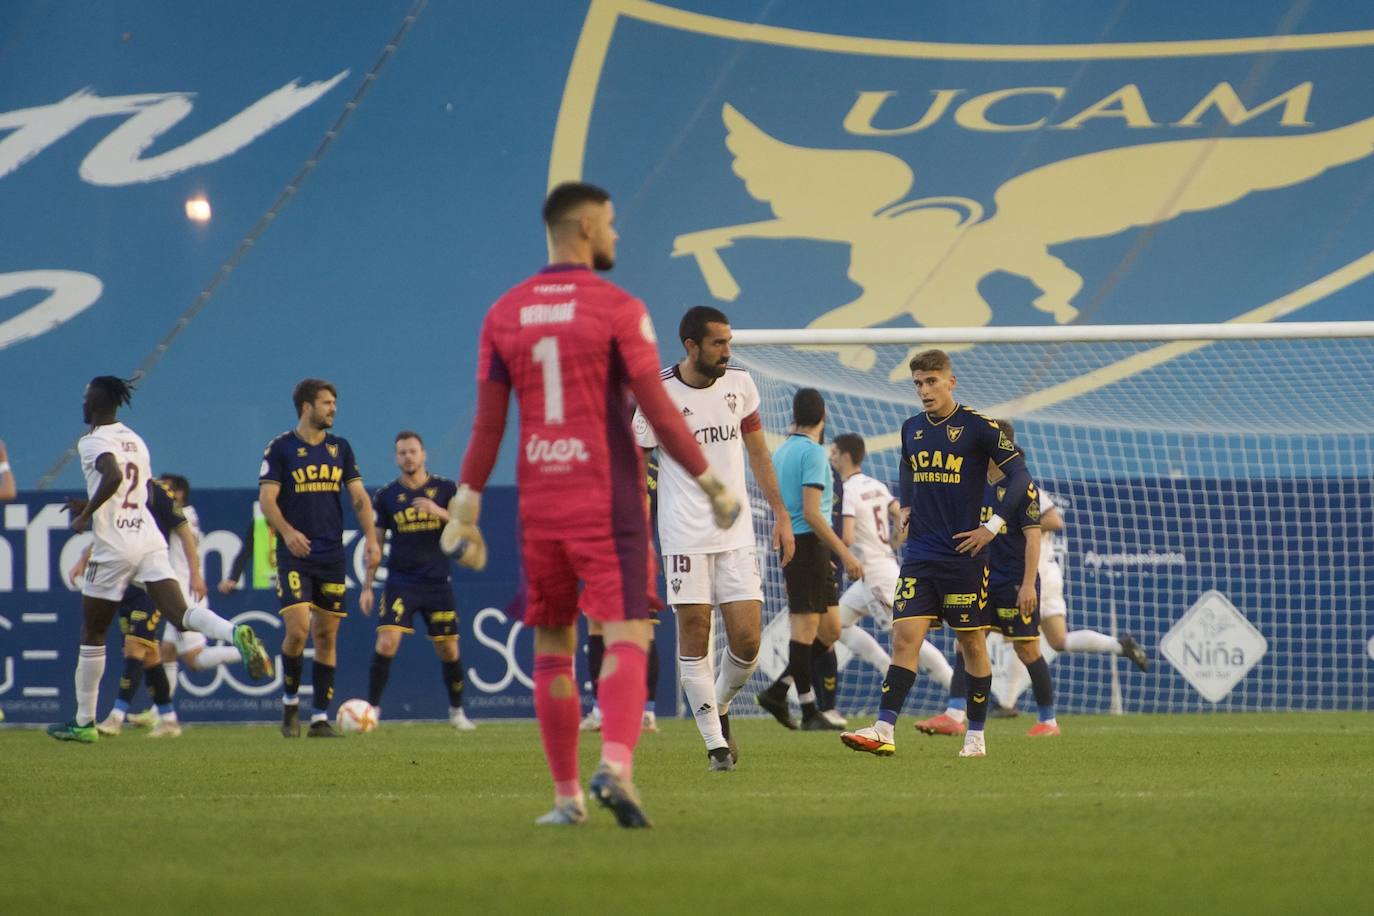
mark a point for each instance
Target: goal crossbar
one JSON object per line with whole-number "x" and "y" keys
{"x": 1056, "y": 334}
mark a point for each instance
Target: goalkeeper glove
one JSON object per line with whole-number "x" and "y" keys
{"x": 461, "y": 538}
{"x": 724, "y": 505}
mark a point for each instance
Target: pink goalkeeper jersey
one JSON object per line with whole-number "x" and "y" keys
{"x": 568, "y": 342}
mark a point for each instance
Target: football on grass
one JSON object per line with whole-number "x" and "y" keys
{"x": 356, "y": 716}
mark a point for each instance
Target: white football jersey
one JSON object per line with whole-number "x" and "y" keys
{"x": 180, "y": 565}
{"x": 866, "y": 500}
{"x": 1052, "y": 546}
{"x": 123, "y": 525}
{"x": 716, "y": 415}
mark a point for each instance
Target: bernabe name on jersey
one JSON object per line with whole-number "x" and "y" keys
{"x": 548, "y": 313}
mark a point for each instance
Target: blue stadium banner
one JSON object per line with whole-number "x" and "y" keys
{"x": 40, "y": 620}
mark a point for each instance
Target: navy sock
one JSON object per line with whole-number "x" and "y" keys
{"x": 453, "y": 682}
{"x": 825, "y": 674}
{"x": 130, "y": 679}
{"x": 1042, "y": 685}
{"x": 159, "y": 685}
{"x": 958, "y": 684}
{"x": 896, "y": 686}
{"x": 378, "y": 673}
{"x": 322, "y": 679}
{"x": 292, "y": 667}
{"x": 979, "y": 688}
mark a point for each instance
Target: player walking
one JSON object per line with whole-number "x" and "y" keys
{"x": 127, "y": 548}
{"x": 304, "y": 471}
{"x": 573, "y": 347}
{"x": 706, "y": 566}
{"x": 945, "y": 455}
{"x": 413, "y": 508}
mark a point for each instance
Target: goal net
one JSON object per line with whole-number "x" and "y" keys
{"x": 1215, "y": 482}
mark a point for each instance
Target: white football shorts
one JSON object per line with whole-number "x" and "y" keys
{"x": 713, "y": 578}
{"x": 109, "y": 577}
{"x": 1052, "y": 591}
{"x": 871, "y": 596}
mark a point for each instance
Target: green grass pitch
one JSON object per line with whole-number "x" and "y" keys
{"x": 1242, "y": 813}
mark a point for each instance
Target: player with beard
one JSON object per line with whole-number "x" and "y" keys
{"x": 573, "y": 348}
{"x": 413, "y": 507}
{"x": 707, "y": 567}
{"x": 304, "y": 473}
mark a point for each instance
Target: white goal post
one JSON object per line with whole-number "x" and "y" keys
{"x": 1189, "y": 459}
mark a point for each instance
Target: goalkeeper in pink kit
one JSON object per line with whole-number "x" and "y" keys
{"x": 575, "y": 348}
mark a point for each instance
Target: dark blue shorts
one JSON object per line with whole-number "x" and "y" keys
{"x": 1007, "y": 616}
{"x": 139, "y": 618}
{"x": 318, "y": 583}
{"x": 432, "y": 602}
{"x": 949, "y": 591}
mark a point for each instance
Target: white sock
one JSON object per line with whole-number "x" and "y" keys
{"x": 173, "y": 670}
{"x": 1091, "y": 641}
{"x": 884, "y": 730}
{"x": 212, "y": 657}
{"x": 203, "y": 620}
{"x": 861, "y": 642}
{"x": 701, "y": 698}
{"x": 958, "y": 715}
{"x": 1018, "y": 679}
{"x": 933, "y": 662}
{"x": 734, "y": 674}
{"x": 169, "y": 717}
{"x": 90, "y": 668}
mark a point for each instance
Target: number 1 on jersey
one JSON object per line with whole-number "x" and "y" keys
{"x": 545, "y": 353}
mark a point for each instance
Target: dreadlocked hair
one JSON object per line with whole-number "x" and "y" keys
{"x": 117, "y": 391}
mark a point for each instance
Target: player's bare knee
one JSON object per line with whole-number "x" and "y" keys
{"x": 974, "y": 644}
{"x": 693, "y": 630}
{"x": 324, "y": 640}
{"x": 1027, "y": 650}
{"x": 388, "y": 641}
{"x": 446, "y": 649}
{"x": 745, "y": 646}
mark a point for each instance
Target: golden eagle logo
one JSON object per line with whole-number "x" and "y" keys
{"x": 332, "y": 449}
{"x": 946, "y": 245}
{"x": 954, "y": 432}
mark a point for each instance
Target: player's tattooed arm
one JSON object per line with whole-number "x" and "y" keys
{"x": 362, "y": 508}
{"x": 110, "y": 479}
{"x": 1029, "y": 596}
